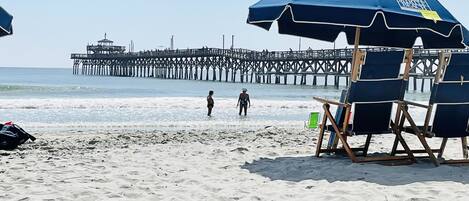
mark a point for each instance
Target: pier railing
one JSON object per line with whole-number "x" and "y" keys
{"x": 244, "y": 53}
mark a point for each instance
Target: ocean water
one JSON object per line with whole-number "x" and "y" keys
{"x": 53, "y": 100}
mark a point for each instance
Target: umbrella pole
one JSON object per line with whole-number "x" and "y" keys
{"x": 355, "y": 59}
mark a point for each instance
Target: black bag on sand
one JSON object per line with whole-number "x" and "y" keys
{"x": 11, "y": 136}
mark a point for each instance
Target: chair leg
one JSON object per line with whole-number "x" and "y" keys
{"x": 397, "y": 130}
{"x": 442, "y": 147}
{"x": 405, "y": 146}
{"x": 340, "y": 135}
{"x": 428, "y": 149}
{"x": 396, "y": 127}
{"x": 465, "y": 154}
{"x": 367, "y": 145}
{"x": 399, "y": 138}
{"x": 394, "y": 146}
{"x": 319, "y": 143}
{"x": 464, "y": 147}
{"x": 321, "y": 137}
{"x": 348, "y": 149}
{"x": 421, "y": 137}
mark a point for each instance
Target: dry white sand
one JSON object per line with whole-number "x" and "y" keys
{"x": 262, "y": 164}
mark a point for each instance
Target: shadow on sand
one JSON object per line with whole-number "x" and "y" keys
{"x": 297, "y": 169}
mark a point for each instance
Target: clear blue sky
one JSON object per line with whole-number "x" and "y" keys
{"x": 47, "y": 31}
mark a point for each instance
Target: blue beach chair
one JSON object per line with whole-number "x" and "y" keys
{"x": 450, "y": 102}
{"x": 377, "y": 86}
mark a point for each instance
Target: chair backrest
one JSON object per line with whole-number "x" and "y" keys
{"x": 380, "y": 84}
{"x": 451, "y": 99}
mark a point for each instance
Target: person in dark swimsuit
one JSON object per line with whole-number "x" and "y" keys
{"x": 244, "y": 102}
{"x": 210, "y": 103}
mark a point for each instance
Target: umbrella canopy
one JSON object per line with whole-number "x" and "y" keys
{"x": 389, "y": 23}
{"x": 5, "y": 23}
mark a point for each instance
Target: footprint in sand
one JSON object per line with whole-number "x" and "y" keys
{"x": 125, "y": 186}
{"x": 114, "y": 196}
{"x": 417, "y": 199}
{"x": 102, "y": 180}
{"x": 134, "y": 173}
{"x": 132, "y": 195}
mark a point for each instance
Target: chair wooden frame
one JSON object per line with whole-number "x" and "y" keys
{"x": 424, "y": 133}
{"x": 342, "y": 133}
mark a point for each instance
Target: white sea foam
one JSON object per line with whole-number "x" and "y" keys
{"x": 158, "y": 113}
{"x": 153, "y": 102}
{"x": 155, "y": 113}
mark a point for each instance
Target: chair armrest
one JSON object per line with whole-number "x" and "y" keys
{"x": 415, "y": 104}
{"x": 322, "y": 100}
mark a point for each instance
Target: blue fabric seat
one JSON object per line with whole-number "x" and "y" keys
{"x": 373, "y": 94}
{"x": 450, "y": 102}
{"x": 371, "y": 98}
{"x": 450, "y": 97}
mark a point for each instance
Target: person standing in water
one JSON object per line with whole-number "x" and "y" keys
{"x": 210, "y": 103}
{"x": 243, "y": 102}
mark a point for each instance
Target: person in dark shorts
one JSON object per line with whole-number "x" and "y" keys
{"x": 243, "y": 102}
{"x": 210, "y": 103}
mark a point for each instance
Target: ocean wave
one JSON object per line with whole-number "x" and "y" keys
{"x": 144, "y": 103}
{"x": 43, "y": 89}
{"x": 6, "y": 88}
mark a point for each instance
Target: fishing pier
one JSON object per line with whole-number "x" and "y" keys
{"x": 308, "y": 67}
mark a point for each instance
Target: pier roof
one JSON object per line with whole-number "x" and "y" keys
{"x": 105, "y": 41}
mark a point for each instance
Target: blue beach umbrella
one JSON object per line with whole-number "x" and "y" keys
{"x": 388, "y": 23}
{"x": 5, "y": 23}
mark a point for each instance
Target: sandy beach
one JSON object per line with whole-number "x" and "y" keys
{"x": 217, "y": 164}
{"x": 119, "y": 95}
